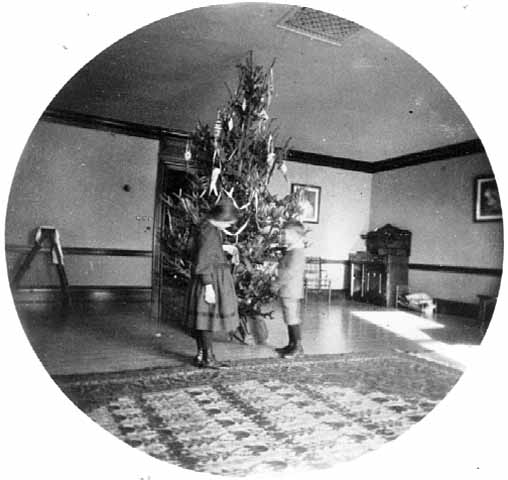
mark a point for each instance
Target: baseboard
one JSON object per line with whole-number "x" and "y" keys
{"x": 461, "y": 309}
{"x": 334, "y": 294}
{"x": 81, "y": 294}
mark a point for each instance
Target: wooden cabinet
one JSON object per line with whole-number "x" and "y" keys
{"x": 376, "y": 272}
{"x": 373, "y": 279}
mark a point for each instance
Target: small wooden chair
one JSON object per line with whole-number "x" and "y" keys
{"x": 316, "y": 278}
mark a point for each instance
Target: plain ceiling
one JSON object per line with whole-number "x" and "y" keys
{"x": 364, "y": 100}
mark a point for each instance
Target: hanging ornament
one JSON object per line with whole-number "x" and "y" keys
{"x": 188, "y": 154}
{"x": 270, "y": 159}
{"x": 263, "y": 119}
{"x": 217, "y": 129}
{"x": 270, "y": 88}
{"x": 213, "y": 181}
{"x": 230, "y": 124}
{"x": 244, "y": 104}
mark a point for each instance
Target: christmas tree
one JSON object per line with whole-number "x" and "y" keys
{"x": 236, "y": 159}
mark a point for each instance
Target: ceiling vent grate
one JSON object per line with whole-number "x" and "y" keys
{"x": 319, "y": 25}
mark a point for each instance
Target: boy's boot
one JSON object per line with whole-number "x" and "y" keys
{"x": 297, "y": 348}
{"x": 289, "y": 346}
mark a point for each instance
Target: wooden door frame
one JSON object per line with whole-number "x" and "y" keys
{"x": 170, "y": 157}
{"x": 156, "y": 244}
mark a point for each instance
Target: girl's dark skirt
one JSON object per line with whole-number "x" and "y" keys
{"x": 220, "y": 316}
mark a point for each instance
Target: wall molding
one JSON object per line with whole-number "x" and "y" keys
{"x": 329, "y": 161}
{"x": 157, "y": 133}
{"x": 493, "y": 272}
{"x": 105, "y": 252}
{"x": 110, "y": 125}
{"x": 118, "y": 252}
{"x": 83, "y": 293}
{"x": 426, "y": 156}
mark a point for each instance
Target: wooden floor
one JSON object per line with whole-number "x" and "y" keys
{"x": 120, "y": 336}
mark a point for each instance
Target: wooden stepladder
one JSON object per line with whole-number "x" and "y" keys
{"x": 46, "y": 236}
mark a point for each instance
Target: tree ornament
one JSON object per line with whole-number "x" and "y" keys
{"x": 270, "y": 160}
{"x": 230, "y": 124}
{"x": 217, "y": 129}
{"x": 213, "y": 180}
{"x": 188, "y": 154}
{"x": 262, "y": 120}
{"x": 244, "y": 104}
{"x": 269, "y": 145}
{"x": 270, "y": 89}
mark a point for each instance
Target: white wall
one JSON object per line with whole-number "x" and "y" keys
{"x": 73, "y": 178}
{"x": 435, "y": 202}
{"x": 344, "y": 215}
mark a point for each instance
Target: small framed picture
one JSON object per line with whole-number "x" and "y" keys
{"x": 309, "y": 198}
{"x": 487, "y": 204}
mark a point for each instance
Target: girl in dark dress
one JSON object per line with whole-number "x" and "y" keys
{"x": 211, "y": 299}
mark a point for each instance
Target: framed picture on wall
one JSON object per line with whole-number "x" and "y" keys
{"x": 487, "y": 204}
{"x": 309, "y": 198}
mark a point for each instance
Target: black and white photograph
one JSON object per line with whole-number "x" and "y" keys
{"x": 309, "y": 197}
{"x": 487, "y": 203}
{"x": 239, "y": 241}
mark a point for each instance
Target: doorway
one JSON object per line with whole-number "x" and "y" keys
{"x": 173, "y": 174}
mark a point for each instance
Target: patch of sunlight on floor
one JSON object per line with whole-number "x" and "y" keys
{"x": 412, "y": 327}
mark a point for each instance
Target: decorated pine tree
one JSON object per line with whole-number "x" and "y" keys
{"x": 236, "y": 158}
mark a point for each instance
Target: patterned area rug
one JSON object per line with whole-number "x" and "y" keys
{"x": 264, "y": 415}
